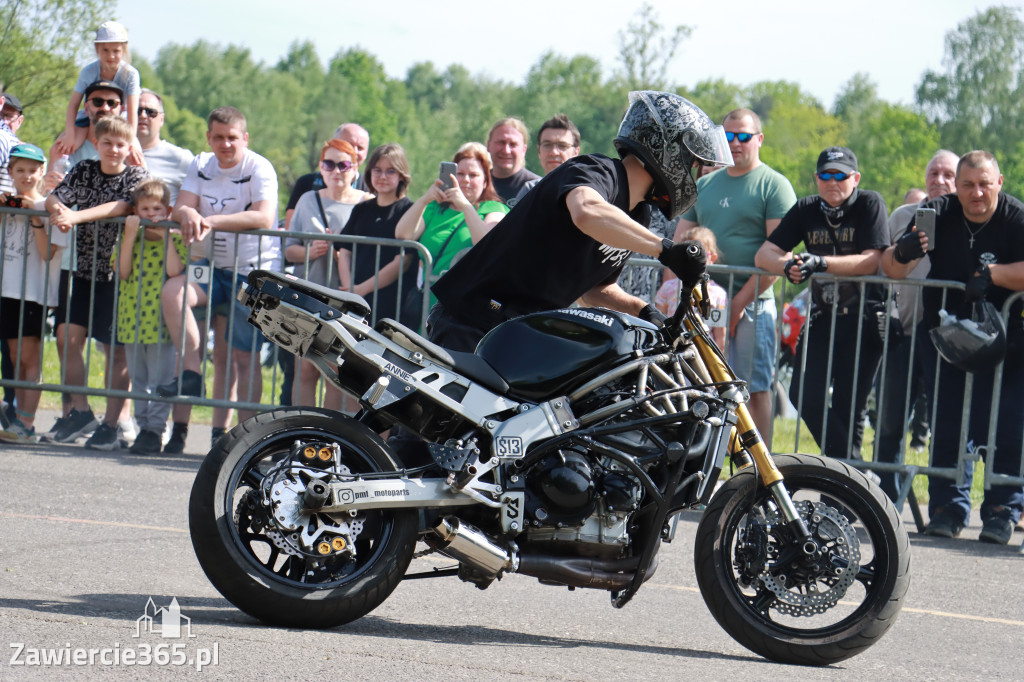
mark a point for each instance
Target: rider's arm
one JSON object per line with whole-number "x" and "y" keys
{"x": 609, "y": 224}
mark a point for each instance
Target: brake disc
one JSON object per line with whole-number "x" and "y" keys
{"x": 824, "y": 590}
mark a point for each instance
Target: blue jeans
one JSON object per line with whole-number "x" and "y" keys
{"x": 752, "y": 349}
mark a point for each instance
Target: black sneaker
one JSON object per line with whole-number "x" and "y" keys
{"x": 176, "y": 444}
{"x": 76, "y": 424}
{"x": 146, "y": 443}
{"x": 943, "y": 524}
{"x": 104, "y": 438}
{"x": 191, "y": 385}
{"x": 998, "y": 528}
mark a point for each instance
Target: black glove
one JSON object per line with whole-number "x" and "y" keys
{"x": 809, "y": 264}
{"x": 652, "y": 315}
{"x": 686, "y": 260}
{"x": 908, "y": 247}
{"x": 978, "y": 285}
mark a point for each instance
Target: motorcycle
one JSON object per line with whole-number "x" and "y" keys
{"x": 563, "y": 449}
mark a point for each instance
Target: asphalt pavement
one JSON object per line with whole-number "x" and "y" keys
{"x": 88, "y": 538}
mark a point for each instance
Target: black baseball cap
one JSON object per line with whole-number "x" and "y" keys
{"x": 837, "y": 158}
{"x": 13, "y": 101}
{"x": 105, "y": 85}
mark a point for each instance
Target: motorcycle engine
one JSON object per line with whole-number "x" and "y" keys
{"x": 571, "y": 497}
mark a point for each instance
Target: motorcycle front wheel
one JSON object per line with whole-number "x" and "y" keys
{"x": 794, "y": 603}
{"x": 279, "y": 563}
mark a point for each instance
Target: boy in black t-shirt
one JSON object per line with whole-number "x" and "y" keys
{"x": 99, "y": 190}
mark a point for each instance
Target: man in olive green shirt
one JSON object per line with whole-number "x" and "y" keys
{"x": 742, "y": 205}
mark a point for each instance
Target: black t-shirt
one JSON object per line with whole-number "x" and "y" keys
{"x": 1001, "y": 240}
{"x": 369, "y": 219}
{"x": 311, "y": 181}
{"x": 536, "y": 258}
{"x": 508, "y": 188}
{"x": 864, "y": 226}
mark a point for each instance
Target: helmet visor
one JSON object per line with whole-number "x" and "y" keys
{"x": 716, "y": 153}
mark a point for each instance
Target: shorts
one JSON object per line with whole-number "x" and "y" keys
{"x": 752, "y": 349}
{"x": 77, "y": 297}
{"x": 222, "y": 292}
{"x": 11, "y": 319}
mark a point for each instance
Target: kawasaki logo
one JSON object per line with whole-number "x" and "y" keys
{"x": 587, "y": 315}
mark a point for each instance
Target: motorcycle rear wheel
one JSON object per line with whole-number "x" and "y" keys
{"x": 767, "y": 609}
{"x": 249, "y": 561}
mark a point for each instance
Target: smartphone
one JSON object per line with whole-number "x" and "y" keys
{"x": 445, "y": 174}
{"x": 924, "y": 220}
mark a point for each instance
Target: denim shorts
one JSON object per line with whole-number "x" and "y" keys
{"x": 222, "y": 292}
{"x": 752, "y": 349}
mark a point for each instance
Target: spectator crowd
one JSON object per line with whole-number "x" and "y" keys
{"x": 140, "y": 246}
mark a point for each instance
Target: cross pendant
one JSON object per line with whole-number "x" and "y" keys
{"x": 971, "y": 242}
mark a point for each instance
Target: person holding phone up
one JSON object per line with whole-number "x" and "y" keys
{"x": 979, "y": 240}
{"x": 456, "y": 212}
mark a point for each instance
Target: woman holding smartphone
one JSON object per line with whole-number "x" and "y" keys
{"x": 446, "y": 221}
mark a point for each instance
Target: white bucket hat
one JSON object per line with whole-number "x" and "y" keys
{"x": 111, "y": 32}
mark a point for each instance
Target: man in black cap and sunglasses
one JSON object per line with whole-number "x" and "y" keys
{"x": 845, "y": 230}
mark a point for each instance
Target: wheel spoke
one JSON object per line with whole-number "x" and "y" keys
{"x": 866, "y": 574}
{"x": 763, "y": 601}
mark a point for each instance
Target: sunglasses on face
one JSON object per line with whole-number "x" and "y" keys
{"x": 99, "y": 102}
{"x": 152, "y": 113}
{"x": 330, "y": 166}
{"x": 742, "y": 137}
{"x": 838, "y": 176}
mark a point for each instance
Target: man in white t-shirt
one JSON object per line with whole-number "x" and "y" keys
{"x": 163, "y": 160}
{"x": 225, "y": 194}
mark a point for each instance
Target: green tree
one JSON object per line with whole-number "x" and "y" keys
{"x": 646, "y": 49}
{"x": 975, "y": 99}
{"x": 42, "y": 44}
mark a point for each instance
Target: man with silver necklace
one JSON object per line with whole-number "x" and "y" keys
{"x": 844, "y": 231}
{"x": 979, "y": 240}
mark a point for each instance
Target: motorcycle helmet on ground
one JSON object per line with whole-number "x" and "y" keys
{"x": 669, "y": 134}
{"x": 976, "y": 344}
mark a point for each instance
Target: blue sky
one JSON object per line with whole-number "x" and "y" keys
{"x": 819, "y": 44}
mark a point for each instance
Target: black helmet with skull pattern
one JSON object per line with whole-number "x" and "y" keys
{"x": 668, "y": 134}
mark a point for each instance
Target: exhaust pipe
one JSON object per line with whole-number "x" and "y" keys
{"x": 470, "y": 546}
{"x": 466, "y": 544}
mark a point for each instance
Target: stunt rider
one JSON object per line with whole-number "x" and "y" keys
{"x": 570, "y": 236}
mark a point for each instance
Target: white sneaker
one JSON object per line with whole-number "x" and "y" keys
{"x": 126, "y": 432}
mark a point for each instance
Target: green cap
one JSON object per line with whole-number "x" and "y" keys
{"x": 28, "y": 151}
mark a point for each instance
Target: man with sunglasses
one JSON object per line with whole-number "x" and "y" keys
{"x": 102, "y": 98}
{"x": 742, "y": 206}
{"x": 845, "y": 230}
{"x": 163, "y": 159}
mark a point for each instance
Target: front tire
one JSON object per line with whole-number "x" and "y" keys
{"x": 256, "y": 565}
{"x": 760, "y": 592}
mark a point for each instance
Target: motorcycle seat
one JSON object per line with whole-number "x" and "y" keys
{"x": 469, "y": 365}
{"x": 335, "y": 298}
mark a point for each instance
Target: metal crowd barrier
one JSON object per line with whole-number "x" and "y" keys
{"x": 640, "y": 270}
{"x": 197, "y": 272}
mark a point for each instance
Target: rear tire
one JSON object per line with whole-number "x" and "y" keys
{"x": 765, "y": 602}
{"x": 253, "y": 566}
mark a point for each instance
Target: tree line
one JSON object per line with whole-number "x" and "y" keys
{"x": 971, "y": 101}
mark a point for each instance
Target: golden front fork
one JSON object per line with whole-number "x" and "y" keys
{"x": 746, "y": 436}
